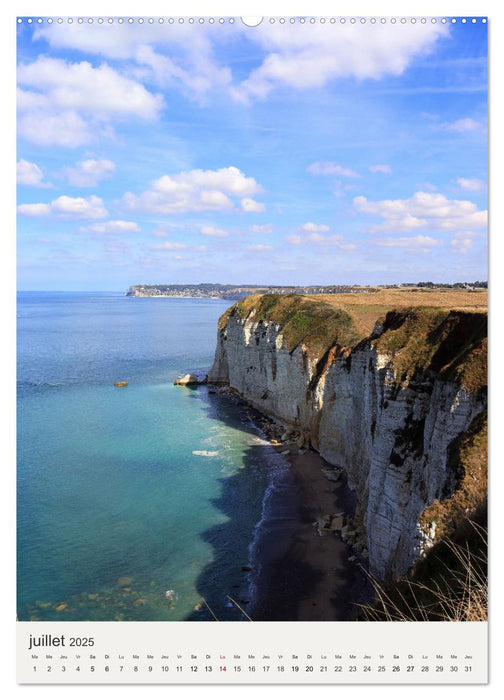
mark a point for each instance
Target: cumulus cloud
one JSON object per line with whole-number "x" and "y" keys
{"x": 213, "y": 231}
{"x": 62, "y": 103}
{"x": 259, "y": 247}
{"x": 261, "y": 229}
{"x": 386, "y": 169}
{"x": 87, "y": 173}
{"x": 113, "y": 227}
{"x": 194, "y": 190}
{"x": 191, "y": 66}
{"x": 248, "y": 204}
{"x": 315, "y": 228}
{"x": 298, "y": 56}
{"x": 330, "y": 168}
{"x": 463, "y": 241}
{"x": 30, "y": 174}
{"x": 43, "y": 127}
{"x": 68, "y": 207}
{"x": 471, "y": 184}
{"x": 80, "y": 86}
{"x": 424, "y": 209}
{"x": 307, "y": 56}
{"x": 416, "y": 244}
{"x": 34, "y": 209}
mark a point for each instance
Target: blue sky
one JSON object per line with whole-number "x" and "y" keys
{"x": 282, "y": 154}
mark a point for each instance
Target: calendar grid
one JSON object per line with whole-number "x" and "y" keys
{"x": 167, "y": 653}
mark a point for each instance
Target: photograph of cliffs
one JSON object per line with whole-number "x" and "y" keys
{"x": 252, "y": 319}
{"x": 397, "y": 408}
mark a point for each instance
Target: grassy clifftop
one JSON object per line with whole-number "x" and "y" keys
{"x": 445, "y": 332}
{"x": 451, "y": 343}
{"x": 302, "y": 318}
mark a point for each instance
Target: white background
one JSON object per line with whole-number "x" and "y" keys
{"x": 7, "y": 241}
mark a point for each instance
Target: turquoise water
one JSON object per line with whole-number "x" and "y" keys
{"x": 125, "y": 494}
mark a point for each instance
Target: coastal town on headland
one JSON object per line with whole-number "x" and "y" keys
{"x": 236, "y": 292}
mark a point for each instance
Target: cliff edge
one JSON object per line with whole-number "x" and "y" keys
{"x": 386, "y": 393}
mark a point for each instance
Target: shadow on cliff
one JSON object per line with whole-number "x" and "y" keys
{"x": 280, "y": 583}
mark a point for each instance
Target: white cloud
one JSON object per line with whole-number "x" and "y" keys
{"x": 194, "y": 190}
{"x": 416, "y": 244}
{"x": 386, "y": 169}
{"x": 248, "y": 204}
{"x": 87, "y": 173}
{"x": 401, "y": 224}
{"x": 330, "y": 168}
{"x": 68, "y": 207}
{"x": 101, "y": 91}
{"x": 315, "y": 228}
{"x": 299, "y": 56}
{"x": 191, "y": 65}
{"x": 79, "y": 207}
{"x": 168, "y": 245}
{"x": 471, "y": 184}
{"x": 213, "y": 231}
{"x": 462, "y": 125}
{"x": 261, "y": 229}
{"x": 46, "y": 128}
{"x": 259, "y": 247}
{"x": 424, "y": 209}
{"x": 305, "y": 56}
{"x": 114, "y": 227}
{"x": 196, "y": 78}
{"x": 317, "y": 239}
{"x": 34, "y": 209}
{"x": 30, "y": 174}
{"x": 463, "y": 241}
{"x": 65, "y": 103}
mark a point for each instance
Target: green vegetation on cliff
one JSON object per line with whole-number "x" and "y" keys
{"x": 448, "y": 340}
{"x": 303, "y": 320}
{"x": 451, "y": 343}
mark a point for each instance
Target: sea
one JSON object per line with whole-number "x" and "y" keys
{"x": 143, "y": 502}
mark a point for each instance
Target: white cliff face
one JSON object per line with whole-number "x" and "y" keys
{"x": 392, "y": 440}
{"x": 394, "y": 444}
{"x": 253, "y": 358}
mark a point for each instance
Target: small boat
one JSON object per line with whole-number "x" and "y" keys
{"x": 121, "y": 384}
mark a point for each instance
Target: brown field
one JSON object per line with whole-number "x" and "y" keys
{"x": 366, "y": 307}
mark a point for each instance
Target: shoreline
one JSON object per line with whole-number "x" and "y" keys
{"x": 298, "y": 575}
{"x": 315, "y": 578}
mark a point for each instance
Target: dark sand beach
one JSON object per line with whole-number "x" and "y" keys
{"x": 306, "y": 577}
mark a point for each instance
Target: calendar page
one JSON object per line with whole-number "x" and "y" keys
{"x": 252, "y": 349}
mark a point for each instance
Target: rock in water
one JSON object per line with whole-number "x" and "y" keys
{"x": 187, "y": 379}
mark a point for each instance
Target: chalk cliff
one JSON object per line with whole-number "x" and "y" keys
{"x": 388, "y": 407}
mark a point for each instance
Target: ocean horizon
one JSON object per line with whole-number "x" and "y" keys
{"x": 145, "y": 502}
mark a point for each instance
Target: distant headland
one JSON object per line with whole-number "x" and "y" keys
{"x": 237, "y": 292}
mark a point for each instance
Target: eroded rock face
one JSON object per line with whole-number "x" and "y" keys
{"x": 394, "y": 443}
{"x": 253, "y": 358}
{"x": 391, "y": 436}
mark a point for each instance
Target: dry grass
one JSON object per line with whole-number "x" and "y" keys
{"x": 443, "y": 330}
{"x": 468, "y": 461}
{"x": 365, "y": 308}
{"x": 457, "y": 592}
